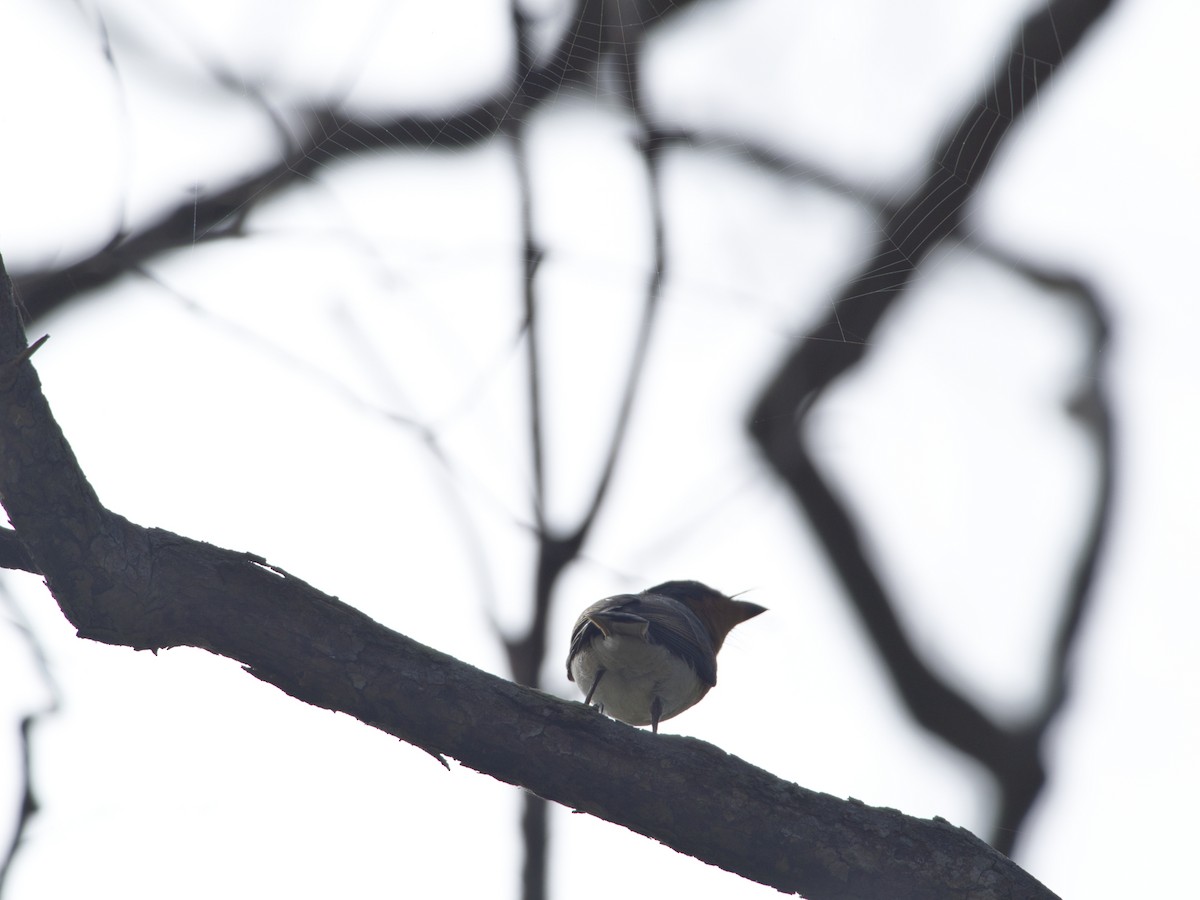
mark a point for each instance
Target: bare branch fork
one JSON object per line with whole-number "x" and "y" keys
{"x": 557, "y": 549}
{"x": 934, "y": 213}
{"x": 146, "y": 588}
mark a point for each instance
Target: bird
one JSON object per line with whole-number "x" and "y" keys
{"x": 647, "y": 657}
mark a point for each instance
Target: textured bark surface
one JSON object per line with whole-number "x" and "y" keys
{"x": 148, "y": 589}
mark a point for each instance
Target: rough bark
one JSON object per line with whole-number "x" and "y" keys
{"x": 146, "y": 588}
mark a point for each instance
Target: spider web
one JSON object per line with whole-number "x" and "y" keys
{"x": 499, "y": 280}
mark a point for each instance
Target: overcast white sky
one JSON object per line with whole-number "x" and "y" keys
{"x": 235, "y": 397}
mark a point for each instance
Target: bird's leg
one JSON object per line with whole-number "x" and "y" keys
{"x": 599, "y": 674}
{"x": 655, "y": 712}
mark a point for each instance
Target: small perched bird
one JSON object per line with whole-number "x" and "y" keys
{"x": 649, "y": 656}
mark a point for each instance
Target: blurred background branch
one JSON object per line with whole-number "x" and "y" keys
{"x": 599, "y": 56}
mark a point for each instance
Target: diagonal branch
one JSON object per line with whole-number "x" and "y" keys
{"x": 330, "y": 136}
{"x": 146, "y": 588}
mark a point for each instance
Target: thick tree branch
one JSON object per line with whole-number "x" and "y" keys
{"x": 149, "y": 589}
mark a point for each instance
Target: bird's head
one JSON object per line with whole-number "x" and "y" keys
{"x": 718, "y": 613}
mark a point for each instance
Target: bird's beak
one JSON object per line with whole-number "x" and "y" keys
{"x": 747, "y": 610}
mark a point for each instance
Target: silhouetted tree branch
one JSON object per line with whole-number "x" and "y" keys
{"x": 908, "y": 232}
{"x": 330, "y": 134}
{"x": 146, "y": 588}
{"x": 1013, "y": 755}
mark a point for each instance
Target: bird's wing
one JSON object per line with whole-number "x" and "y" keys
{"x": 657, "y": 619}
{"x": 597, "y": 621}
{"x": 676, "y": 627}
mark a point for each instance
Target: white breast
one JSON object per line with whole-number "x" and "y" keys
{"x": 636, "y": 671}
